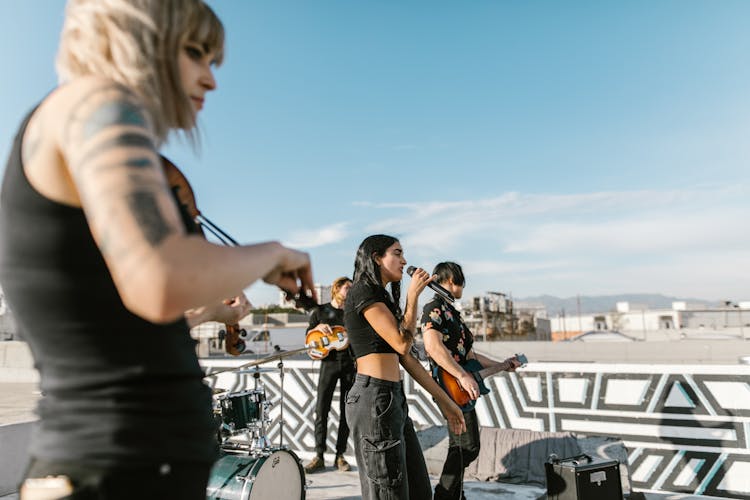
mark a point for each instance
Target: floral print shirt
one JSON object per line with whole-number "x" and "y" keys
{"x": 440, "y": 315}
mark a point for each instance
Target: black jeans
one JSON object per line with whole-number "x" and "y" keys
{"x": 462, "y": 450}
{"x": 389, "y": 458}
{"x": 336, "y": 366}
{"x": 183, "y": 480}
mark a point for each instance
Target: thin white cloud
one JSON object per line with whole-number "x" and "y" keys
{"x": 312, "y": 238}
{"x": 490, "y": 267}
{"x": 670, "y": 241}
{"x": 630, "y": 233}
{"x": 532, "y": 222}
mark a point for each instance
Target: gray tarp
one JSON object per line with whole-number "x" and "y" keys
{"x": 518, "y": 456}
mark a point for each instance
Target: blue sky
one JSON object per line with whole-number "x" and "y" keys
{"x": 579, "y": 147}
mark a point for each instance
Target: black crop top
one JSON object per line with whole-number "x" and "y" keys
{"x": 363, "y": 337}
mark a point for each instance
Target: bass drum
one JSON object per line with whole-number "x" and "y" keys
{"x": 278, "y": 476}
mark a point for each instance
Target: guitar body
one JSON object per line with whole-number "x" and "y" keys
{"x": 457, "y": 393}
{"x": 450, "y": 384}
{"x": 320, "y": 343}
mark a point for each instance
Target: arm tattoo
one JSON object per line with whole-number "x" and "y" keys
{"x": 117, "y": 112}
{"x": 126, "y": 139}
{"x": 146, "y": 211}
{"x": 115, "y": 160}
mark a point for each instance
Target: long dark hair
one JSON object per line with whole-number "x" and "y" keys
{"x": 367, "y": 270}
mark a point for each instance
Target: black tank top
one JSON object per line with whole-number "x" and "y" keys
{"x": 117, "y": 389}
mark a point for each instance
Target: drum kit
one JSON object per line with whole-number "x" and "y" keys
{"x": 250, "y": 467}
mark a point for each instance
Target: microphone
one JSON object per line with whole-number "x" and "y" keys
{"x": 437, "y": 288}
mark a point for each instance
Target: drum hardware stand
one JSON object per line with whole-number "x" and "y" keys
{"x": 258, "y": 440}
{"x": 256, "y": 433}
{"x": 281, "y": 408}
{"x": 259, "y": 443}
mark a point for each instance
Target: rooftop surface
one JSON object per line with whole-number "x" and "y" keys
{"x": 17, "y": 400}
{"x": 334, "y": 485}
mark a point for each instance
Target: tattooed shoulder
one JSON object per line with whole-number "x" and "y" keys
{"x": 104, "y": 104}
{"x": 109, "y": 118}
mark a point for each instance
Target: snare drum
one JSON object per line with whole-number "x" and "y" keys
{"x": 278, "y": 476}
{"x": 240, "y": 409}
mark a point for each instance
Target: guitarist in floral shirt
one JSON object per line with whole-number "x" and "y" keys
{"x": 448, "y": 342}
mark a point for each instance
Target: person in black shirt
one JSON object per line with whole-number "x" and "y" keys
{"x": 448, "y": 342}
{"x": 389, "y": 458}
{"x": 336, "y": 366}
{"x": 99, "y": 268}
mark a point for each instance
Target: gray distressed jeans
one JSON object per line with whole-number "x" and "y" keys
{"x": 389, "y": 458}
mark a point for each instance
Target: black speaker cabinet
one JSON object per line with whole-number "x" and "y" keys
{"x": 581, "y": 478}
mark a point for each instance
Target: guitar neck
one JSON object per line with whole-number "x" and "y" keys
{"x": 491, "y": 370}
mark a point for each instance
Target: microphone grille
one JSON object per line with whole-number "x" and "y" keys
{"x": 410, "y": 270}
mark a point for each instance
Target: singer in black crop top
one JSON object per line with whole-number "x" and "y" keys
{"x": 98, "y": 267}
{"x": 389, "y": 457}
{"x": 363, "y": 337}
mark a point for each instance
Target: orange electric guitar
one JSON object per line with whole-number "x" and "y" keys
{"x": 457, "y": 393}
{"x": 320, "y": 343}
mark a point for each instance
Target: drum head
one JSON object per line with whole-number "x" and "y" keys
{"x": 280, "y": 477}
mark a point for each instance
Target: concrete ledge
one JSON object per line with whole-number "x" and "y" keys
{"x": 675, "y": 352}
{"x": 15, "y": 354}
{"x": 16, "y": 363}
{"x": 14, "y": 455}
{"x": 19, "y": 376}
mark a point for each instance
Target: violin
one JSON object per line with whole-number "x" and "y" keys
{"x": 183, "y": 192}
{"x": 196, "y": 222}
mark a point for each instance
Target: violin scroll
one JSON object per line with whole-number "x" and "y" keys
{"x": 301, "y": 300}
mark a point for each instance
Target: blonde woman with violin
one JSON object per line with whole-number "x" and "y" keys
{"x": 336, "y": 367}
{"x": 389, "y": 458}
{"x": 98, "y": 266}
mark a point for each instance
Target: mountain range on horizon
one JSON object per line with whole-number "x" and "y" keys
{"x": 604, "y": 303}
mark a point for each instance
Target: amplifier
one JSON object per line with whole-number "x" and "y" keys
{"x": 581, "y": 478}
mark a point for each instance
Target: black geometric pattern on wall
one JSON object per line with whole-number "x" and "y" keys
{"x": 685, "y": 432}
{"x": 300, "y": 389}
{"x": 685, "y": 417}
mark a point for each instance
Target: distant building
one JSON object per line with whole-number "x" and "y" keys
{"x": 682, "y": 320}
{"x": 494, "y": 316}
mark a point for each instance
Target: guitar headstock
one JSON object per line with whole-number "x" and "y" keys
{"x": 522, "y": 359}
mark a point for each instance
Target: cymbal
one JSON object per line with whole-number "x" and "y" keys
{"x": 273, "y": 357}
{"x": 267, "y": 359}
{"x": 257, "y": 369}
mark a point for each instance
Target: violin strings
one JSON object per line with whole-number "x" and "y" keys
{"x": 227, "y": 240}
